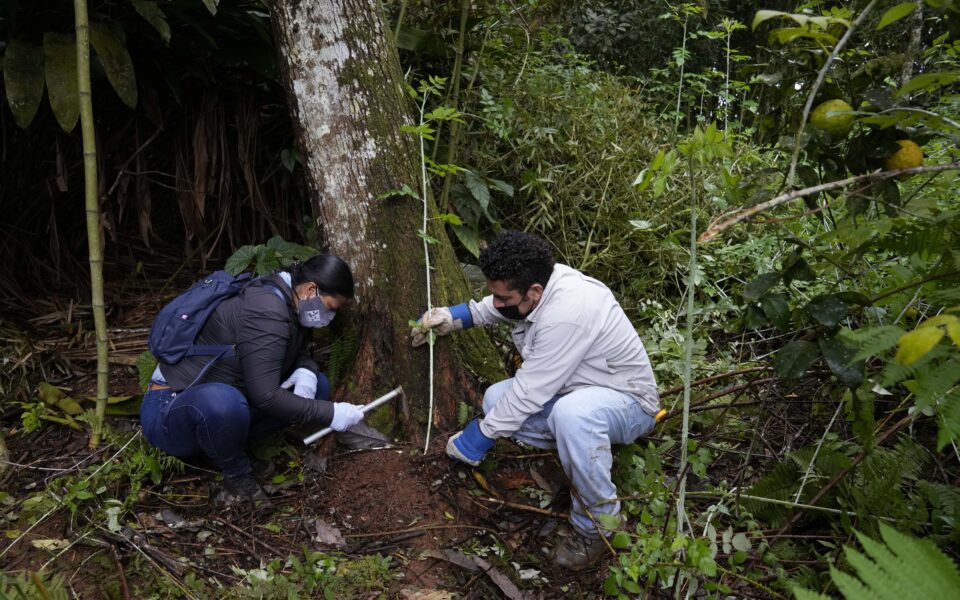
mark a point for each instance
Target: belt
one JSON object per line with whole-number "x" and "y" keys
{"x": 153, "y": 387}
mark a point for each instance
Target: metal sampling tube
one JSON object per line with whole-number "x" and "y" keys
{"x": 365, "y": 408}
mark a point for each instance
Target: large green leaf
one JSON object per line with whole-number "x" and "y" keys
{"x": 60, "y": 65}
{"x": 211, "y": 5}
{"x": 839, "y": 358}
{"x": 288, "y": 252}
{"x": 23, "y": 80}
{"x": 478, "y": 188}
{"x": 150, "y": 11}
{"x": 925, "y": 80}
{"x": 792, "y": 360}
{"x": 873, "y": 341}
{"x": 802, "y": 19}
{"x": 760, "y": 286}
{"x": 796, "y": 268}
{"x": 469, "y": 238}
{"x": 777, "y": 310}
{"x": 116, "y": 62}
{"x": 895, "y": 14}
{"x": 915, "y": 344}
{"x": 828, "y": 309}
{"x": 240, "y": 260}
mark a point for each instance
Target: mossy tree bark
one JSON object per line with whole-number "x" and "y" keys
{"x": 347, "y": 102}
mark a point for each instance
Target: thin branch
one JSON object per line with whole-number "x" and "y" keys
{"x": 913, "y": 284}
{"x": 724, "y": 392}
{"x": 527, "y": 508}
{"x": 844, "y": 472}
{"x": 714, "y": 230}
{"x": 921, "y": 111}
{"x": 712, "y": 378}
{"x": 816, "y": 452}
{"x": 821, "y": 76}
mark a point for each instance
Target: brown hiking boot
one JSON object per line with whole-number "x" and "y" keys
{"x": 578, "y": 550}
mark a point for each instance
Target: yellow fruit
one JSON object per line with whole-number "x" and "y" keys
{"x": 830, "y": 117}
{"x": 908, "y": 156}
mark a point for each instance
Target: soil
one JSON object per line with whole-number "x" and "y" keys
{"x": 393, "y": 502}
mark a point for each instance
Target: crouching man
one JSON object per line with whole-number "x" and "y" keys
{"x": 585, "y": 383}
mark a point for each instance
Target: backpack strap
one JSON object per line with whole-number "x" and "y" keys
{"x": 209, "y": 364}
{"x": 221, "y": 350}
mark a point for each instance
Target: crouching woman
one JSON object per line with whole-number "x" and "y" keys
{"x": 267, "y": 383}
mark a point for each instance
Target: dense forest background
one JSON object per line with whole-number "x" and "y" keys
{"x": 798, "y": 292}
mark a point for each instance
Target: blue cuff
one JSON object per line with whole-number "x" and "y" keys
{"x": 461, "y": 312}
{"x": 472, "y": 443}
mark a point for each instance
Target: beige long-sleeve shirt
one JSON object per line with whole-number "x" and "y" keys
{"x": 576, "y": 336}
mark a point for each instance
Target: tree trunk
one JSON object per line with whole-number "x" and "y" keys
{"x": 347, "y": 104}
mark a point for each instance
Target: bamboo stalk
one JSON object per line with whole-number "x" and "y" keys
{"x": 93, "y": 214}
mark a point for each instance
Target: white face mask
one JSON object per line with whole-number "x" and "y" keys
{"x": 314, "y": 313}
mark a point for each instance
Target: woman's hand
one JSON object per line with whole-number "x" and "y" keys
{"x": 345, "y": 416}
{"x": 304, "y": 383}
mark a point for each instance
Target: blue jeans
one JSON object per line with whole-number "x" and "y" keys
{"x": 212, "y": 419}
{"x": 582, "y": 426}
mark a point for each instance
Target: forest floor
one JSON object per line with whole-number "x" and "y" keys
{"x": 389, "y": 521}
{"x": 448, "y": 530}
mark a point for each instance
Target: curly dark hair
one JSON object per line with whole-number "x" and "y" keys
{"x": 518, "y": 258}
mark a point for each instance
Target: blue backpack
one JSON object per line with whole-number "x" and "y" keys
{"x": 179, "y": 322}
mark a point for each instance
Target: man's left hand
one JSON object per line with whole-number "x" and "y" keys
{"x": 469, "y": 445}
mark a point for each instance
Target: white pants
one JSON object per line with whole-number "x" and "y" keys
{"x": 582, "y": 426}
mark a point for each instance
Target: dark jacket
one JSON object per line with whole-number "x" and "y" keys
{"x": 270, "y": 345}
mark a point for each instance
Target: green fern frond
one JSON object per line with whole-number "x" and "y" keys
{"x": 880, "y": 571}
{"x": 779, "y": 484}
{"x": 901, "y": 567}
{"x": 931, "y": 385}
{"x": 872, "y": 341}
{"x": 895, "y": 372}
{"x": 803, "y": 594}
{"x": 949, "y": 411}
{"x": 918, "y": 240}
{"x": 949, "y": 296}
{"x": 146, "y": 363}
{"x": 342, "y": 355}
{"x": 945, "y": 507}
{"x": 931, "y": 574}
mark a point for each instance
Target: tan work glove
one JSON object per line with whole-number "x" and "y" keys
{"x": 439, "y": 319}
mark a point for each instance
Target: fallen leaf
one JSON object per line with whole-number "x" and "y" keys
{"x": 362, "y": 437}
{"x": 541, "y": 482}
{"x": 328, "y": 535}
{"x": 50, "y": 544}
{"x": 509, "y": 589}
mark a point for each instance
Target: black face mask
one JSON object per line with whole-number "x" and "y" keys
{"x": 512, "y": 312}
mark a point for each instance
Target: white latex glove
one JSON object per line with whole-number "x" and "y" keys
{"x": 439, "y": 319}
{"x": 303, "y": 381}
{"x": 345, "y": 416}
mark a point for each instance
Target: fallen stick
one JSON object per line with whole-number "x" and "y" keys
{"x": 679, "y": 388}
{"x": 527, "y": 508}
